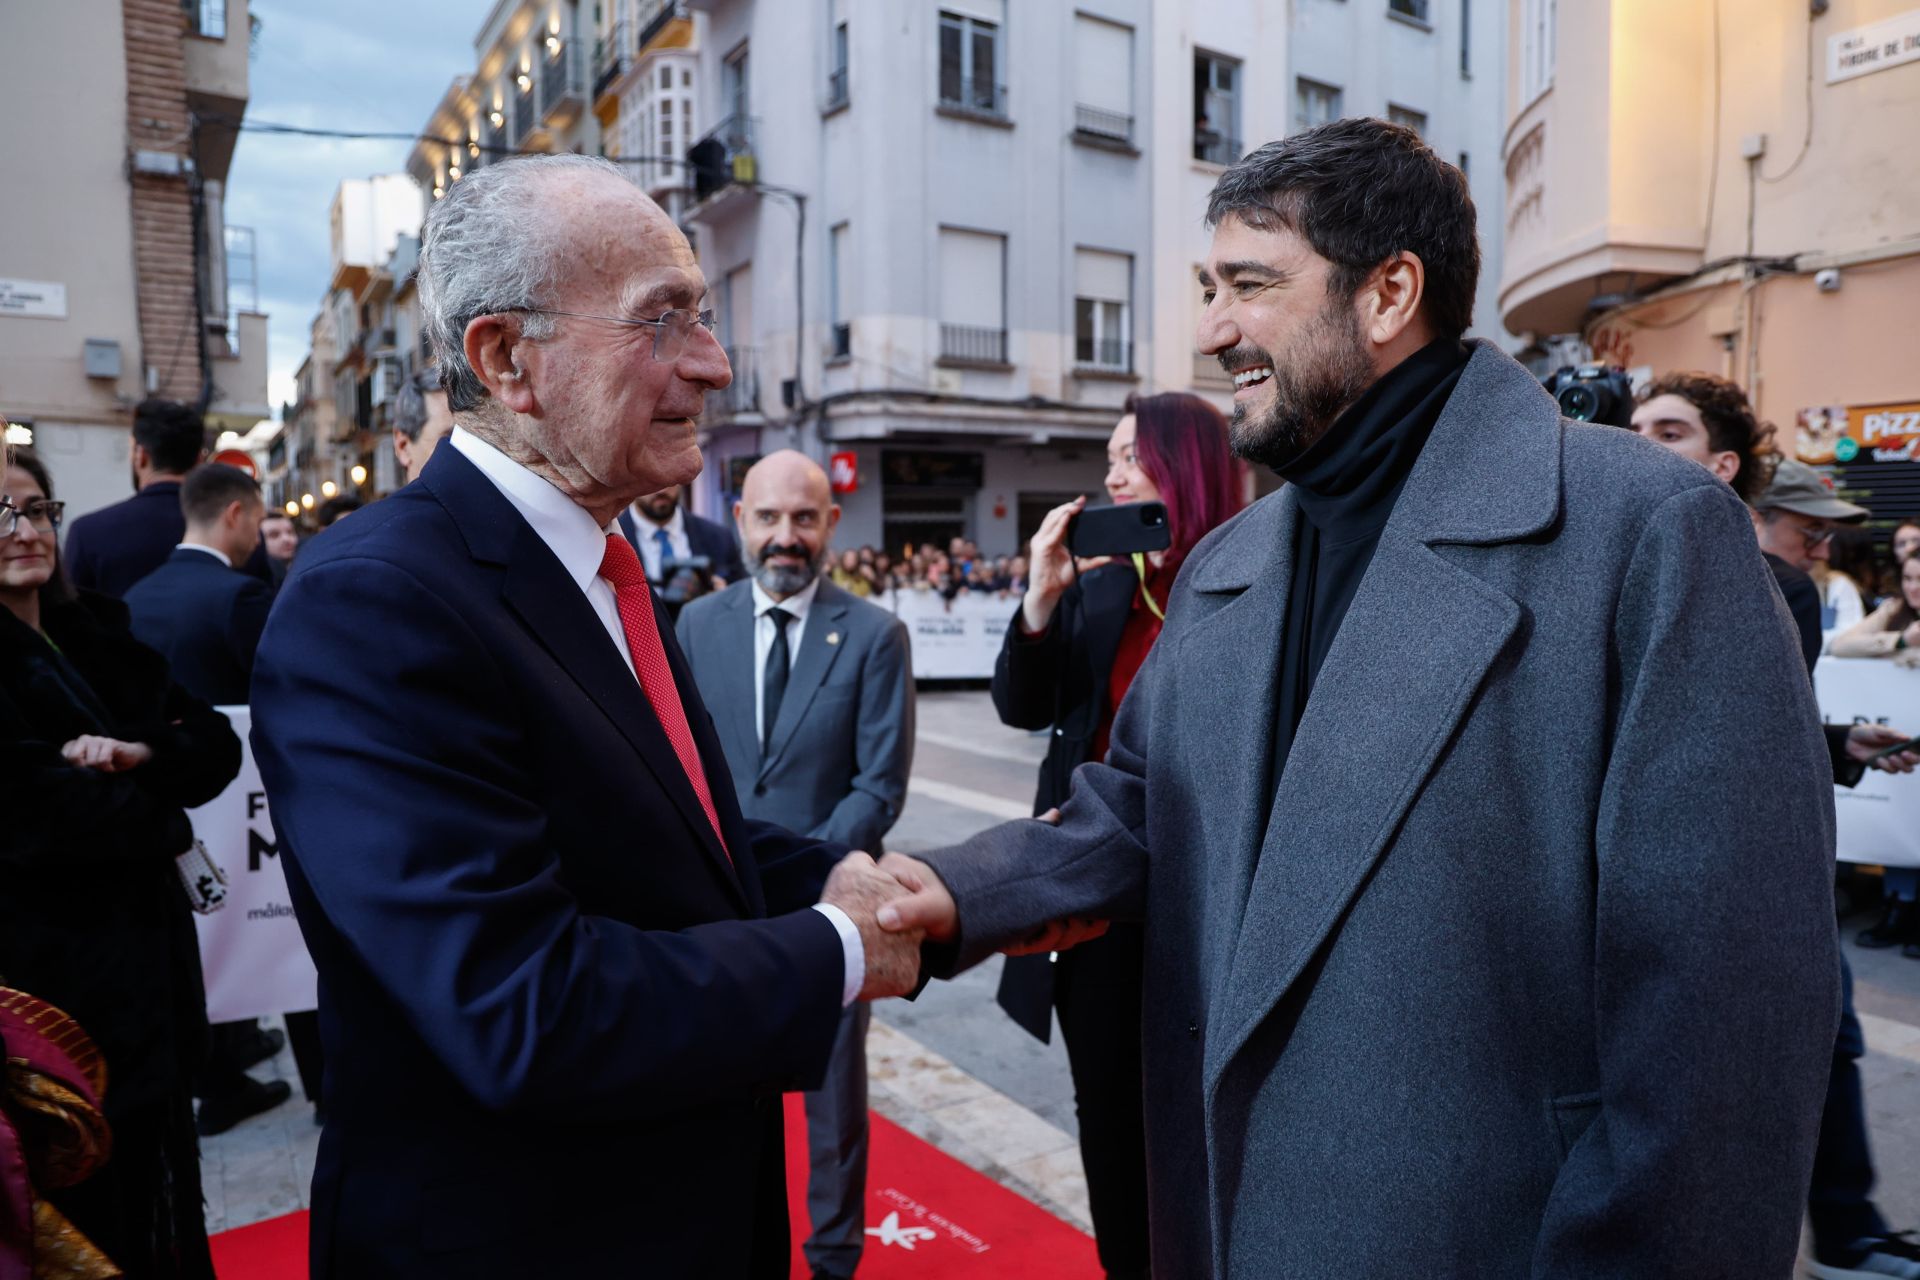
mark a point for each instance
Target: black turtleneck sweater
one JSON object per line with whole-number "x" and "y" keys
{"x": 1347, "y": 483}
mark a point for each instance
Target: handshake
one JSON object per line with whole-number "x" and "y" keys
{"x": 898, "y": 903}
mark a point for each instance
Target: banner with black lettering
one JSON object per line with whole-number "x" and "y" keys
{"x": 1879, "y": 820}
{"x": 251, "y": 951}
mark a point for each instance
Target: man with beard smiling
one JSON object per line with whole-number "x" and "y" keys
{"x": 1410, "y": 798}
{"x": 812, "y": 692}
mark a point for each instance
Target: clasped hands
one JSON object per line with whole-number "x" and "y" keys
{"x": 898, "y": 903}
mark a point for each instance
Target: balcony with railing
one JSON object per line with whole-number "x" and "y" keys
{"x": 973, "y": 100}
{"x": 723, "y": 158}
{"x": 963, "y": 344}
{"x": 742, "y": 395}
{"x": 652, "y": 24}
{"x": 836, "y": 90}
{"x": 523, "y": 117}
{"x": 215, "y": 60}
{"x": 612, "y": 53}
{"x": 1102, "y": 128}
{"x": 562, "y": 92}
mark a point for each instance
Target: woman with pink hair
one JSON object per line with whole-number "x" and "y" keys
{"x": 1080, "y": 636}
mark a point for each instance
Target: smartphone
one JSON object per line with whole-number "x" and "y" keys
{"x": 1911, "y": 744}
{"x": 1119, "y": 530}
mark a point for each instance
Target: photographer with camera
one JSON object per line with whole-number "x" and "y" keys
{"x": 685, "y": 556}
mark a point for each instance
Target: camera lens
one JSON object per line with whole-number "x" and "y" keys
{"x": 1580, "y": 401}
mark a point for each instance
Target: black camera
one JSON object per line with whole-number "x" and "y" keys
{"x": 1593, "y": 393}
{"x": 683, "y": 579}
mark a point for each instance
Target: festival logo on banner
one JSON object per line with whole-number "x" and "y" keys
{"x": 909, "y": 1223}
{"x": 1871, "y": 433}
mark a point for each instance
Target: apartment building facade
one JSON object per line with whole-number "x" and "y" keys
{"x": 1689, "y": 192}
{"x": 118, "y": 277}
{"x": 946, "y": 239}
{"x": 646, "y": 57}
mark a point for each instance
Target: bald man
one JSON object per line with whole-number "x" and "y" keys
{"x": 812, "y": 692}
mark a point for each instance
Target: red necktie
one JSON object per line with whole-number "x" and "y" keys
{"x": 621, "y": 568}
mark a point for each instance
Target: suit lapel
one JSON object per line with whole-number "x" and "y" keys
{"x": 733, "y": 642}
{"x": 820, "y": 645}
{"x": 560, "y": 618}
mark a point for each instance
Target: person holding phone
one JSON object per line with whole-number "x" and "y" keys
{"x": 1082, "y": 632}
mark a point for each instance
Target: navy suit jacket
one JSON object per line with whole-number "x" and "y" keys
{"x": 206, "y": 619}
{"x": 556, "y": 1014}
{"x": 707, "y": 538}
{"x": 113, "y": 548}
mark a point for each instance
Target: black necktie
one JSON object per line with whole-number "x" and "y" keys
{"x": 774, "y": 682}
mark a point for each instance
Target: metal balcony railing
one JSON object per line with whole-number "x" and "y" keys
{"x": 1108, "y": 355}
{"x": 610, "y": 54}
{"x": 1108, "y": 126}
{"x": 837, "y": 89}
{"x": 973, "y": 97}
{"x": 665, "y": 11}
{"x": 723, "y": 157}
{"x": 493, "y": 142}
{"x": 560, "y": 79}
{"x": 522, "y": 116}
{"x": 742, "y": 395}
{"x": 1215, "y": 148}
{"x": 971, "y": 344}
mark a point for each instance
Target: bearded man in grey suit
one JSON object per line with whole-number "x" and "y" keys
{"x": 811, "y": 693}
{"x": 1426, "y": 795}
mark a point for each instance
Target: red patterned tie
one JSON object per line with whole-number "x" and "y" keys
{"x": 621, "y": 568}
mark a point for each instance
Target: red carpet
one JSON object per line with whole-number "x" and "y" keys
{"x": 929, "y": 1217}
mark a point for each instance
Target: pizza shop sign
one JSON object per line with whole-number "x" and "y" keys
{"x": 1864, "y": 433}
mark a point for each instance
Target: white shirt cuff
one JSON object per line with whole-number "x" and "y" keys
{"x": 851, "y": 947}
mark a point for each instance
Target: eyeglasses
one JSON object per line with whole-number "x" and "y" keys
{"x": 1816, "y": 537}
{"x": 671, "y": 332}
{"x": 44, "y": 513}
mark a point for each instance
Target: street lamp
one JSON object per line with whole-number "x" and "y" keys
{"x": 359, "y": 474}
{"x": 293, "y": 508}
{"x": 328, "y": 488}
{"x": 306, "y": 501}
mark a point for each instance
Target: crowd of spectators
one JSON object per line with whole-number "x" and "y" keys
{"x": 868, "y": 572}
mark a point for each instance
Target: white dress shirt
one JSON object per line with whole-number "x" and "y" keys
{"x": 579, "y": 545}
{"x": 797, "y": 604}
{"x": 215, "y": 552}
{"x": 644, "y": 528}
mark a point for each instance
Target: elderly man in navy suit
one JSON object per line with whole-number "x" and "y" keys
{"x": 563, "y": 980}
{"x": 812, "y": 695}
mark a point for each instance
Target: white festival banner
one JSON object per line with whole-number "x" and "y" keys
{"x": 1879, "y": 820}
{"x": 251, "y": 952}
{"x": 956, "y": 639}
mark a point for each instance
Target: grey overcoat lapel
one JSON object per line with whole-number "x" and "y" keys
{"x": 1419, "y": 638}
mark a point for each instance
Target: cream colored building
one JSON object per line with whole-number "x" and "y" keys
{"x": 114, "y": 273}
{"x": 1737, "y": 193}
{"x": 646, "y": 66}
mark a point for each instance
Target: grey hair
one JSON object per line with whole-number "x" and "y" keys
{"x": 486, "y": 249}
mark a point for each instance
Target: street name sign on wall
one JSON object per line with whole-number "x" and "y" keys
{"x": 1876, "y": 47}
{"x": 41, "y": 299}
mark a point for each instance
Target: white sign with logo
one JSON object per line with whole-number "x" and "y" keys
{"x": 251, "y": 951}
{"x": 1864, "y": 50}
{"x": 956, "y": 639}
{"x": 1879, "y": 820}
{"x": 39, "y": 298}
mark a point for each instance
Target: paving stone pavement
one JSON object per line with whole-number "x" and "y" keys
{"x": 953, "y": 1069}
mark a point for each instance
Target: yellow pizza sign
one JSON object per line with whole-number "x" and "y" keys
{"x": 1864, "y": 433}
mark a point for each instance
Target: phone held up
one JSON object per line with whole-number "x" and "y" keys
{"x": 1119, "y": 530}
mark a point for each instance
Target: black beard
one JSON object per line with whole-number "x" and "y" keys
{"x": 1327, "y": 371}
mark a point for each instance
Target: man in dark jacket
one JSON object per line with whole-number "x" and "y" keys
{"x": 197, "y": 608}
{"x": 113, "y": 548}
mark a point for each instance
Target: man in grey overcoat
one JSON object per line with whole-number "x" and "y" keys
{"x": 1429, "y": 794}
{"x": 811, "y": 692}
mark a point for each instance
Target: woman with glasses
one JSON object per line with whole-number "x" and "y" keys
{"x": 103, "y": 756}
{"x": 1081, "y": 634}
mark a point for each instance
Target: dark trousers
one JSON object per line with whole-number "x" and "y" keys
{"x": 1096, "y": 992}
{"x": 1839, "y": 1204}
{"x": 303, "y": 1036}
{"x": 837, "y": 1151}
{"x": 143, "y": 1209}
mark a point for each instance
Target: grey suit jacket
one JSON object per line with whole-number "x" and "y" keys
{"x": 843, "y": 743}
{"x": 1530, "y": 967}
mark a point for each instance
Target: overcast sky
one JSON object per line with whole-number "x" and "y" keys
{"x": 354, "y": 65}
